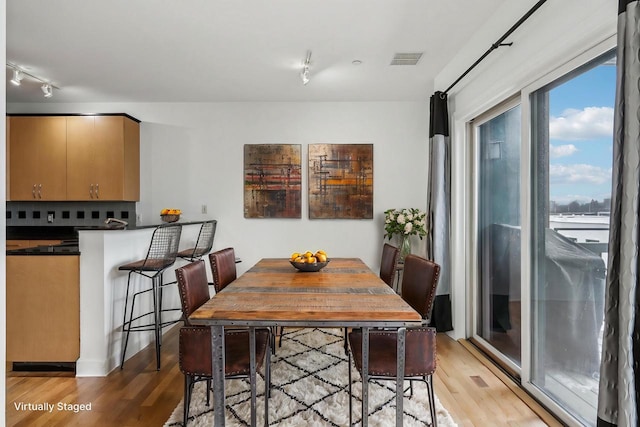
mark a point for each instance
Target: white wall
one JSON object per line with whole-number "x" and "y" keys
{"x": 556, "y": 33}
{"x": 192, "y": 155}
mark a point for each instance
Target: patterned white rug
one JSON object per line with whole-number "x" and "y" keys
{"x": 309, "y": 388}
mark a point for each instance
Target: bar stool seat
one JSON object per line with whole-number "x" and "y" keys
{"x": 161, "y": 255}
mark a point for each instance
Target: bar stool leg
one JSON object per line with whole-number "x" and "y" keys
{"x": 156, "y": 312}
{"x": 126, "y": 327}
{"x": 160, "y": 288}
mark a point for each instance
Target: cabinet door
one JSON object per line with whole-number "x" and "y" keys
{"x": 80, "y": 158}
{"x": 109, "y": 152}
{"x": 43, "y": 308}
{"x": 38, "y": 159}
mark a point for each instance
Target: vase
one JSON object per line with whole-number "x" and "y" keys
{"x": 405, "y": 247}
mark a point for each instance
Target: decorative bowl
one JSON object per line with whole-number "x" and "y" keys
{"x": 170, "y": 218}
{"x": 306, "y": 267}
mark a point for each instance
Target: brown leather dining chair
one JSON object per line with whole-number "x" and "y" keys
{"x": 388, "y": 263}
{"x": 195, "y": 341}
{"x": 223, "y": 268}
{"x": 419, "y": 282}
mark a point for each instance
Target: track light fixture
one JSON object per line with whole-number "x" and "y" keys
{"x": 304, "y": 74}
{"x": 17, "y": 77}
{"x": 47, "y": 90}
{"x": 19, "y": 74}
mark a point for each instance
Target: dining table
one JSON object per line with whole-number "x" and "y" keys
{"x": 346, "y": 293}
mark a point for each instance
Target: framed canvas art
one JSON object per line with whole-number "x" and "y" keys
{"x": 272, "y": 181}
{"x": 341, "y": 181}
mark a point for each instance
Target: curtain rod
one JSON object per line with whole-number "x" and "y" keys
{"x": 498, "y": 43}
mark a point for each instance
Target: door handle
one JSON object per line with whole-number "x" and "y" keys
{"x": 40, "y": 191}
{"x": 33, "y": 191}
{"x": 97, "y": 191}
{"x": 91, "y": 191}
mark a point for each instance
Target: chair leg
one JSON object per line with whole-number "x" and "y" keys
{"x": 209, "y": 391}
{"x": 350, "y": 393}
{"x": 432, "y": 401}
{"x": 346, "y": 344}
{"x": 410, "y": 389}
{"x": 281, "y": 333}
{"x": 188, "y": 388}
{"x": 267, "y": 384}
{"x": 160, "y": 283}
{"x": 126, "y": 327}
{"x": 274, "y": 330}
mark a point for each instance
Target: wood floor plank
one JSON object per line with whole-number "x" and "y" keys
{"x": 139, "y": 395}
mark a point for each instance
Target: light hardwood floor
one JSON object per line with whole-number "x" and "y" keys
{"x": 138, "y": 395}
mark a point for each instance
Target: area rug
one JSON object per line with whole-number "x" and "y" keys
{"x": 309, "y": 388}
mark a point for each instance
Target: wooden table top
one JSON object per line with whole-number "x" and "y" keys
{"x": 345, "y": 292}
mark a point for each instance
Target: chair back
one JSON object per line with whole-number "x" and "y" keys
{"x": 193, "y": 287}
{"x": 205, "y": 240}
{"x": 388, "y": 263}
{"x": 419, "y": 282}
{"x": 223, "y": 268}
{"x": 164, "y": 246}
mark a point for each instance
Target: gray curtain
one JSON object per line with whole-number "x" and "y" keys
{"x": 438, "y": 208}
{"x": 618, "y": 398}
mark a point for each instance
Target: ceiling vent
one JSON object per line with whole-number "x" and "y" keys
{"x": 406, "y": 58}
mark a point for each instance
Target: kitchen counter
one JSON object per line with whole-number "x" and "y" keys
{"x": 103, "y": 290}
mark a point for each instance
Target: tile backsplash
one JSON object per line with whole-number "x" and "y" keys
{"x": 75, "y": 214}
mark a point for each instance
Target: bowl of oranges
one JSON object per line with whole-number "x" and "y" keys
{"x": 309, "y": 261}
{"x": 170, "y": 215}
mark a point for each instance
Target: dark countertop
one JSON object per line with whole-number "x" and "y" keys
{"x": 141, "y": 226}
{"x": 63, "y": 249}
{"x": 70, "y": 246}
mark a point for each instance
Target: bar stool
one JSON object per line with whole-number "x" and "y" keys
{"x": 204, "y": 243}
{"x": 160, "y": 256}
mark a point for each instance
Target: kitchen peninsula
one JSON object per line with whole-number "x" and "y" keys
{"x": 100, "y": 251}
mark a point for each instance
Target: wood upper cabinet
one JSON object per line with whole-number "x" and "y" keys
{"x": 103, "y": 158}
{"x": 98, "y": 158}
{"x": 38, "y": 158}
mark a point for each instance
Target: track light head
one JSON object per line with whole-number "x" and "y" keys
{"x": 47, "y": 90}
{"x": 304, "y": 74}
{"x": 17, "y": 77}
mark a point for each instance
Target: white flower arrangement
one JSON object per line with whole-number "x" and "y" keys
{"x": 405, "y": 222}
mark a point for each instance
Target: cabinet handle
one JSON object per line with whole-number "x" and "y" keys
{"x": 91, "y": 191}
{"x": 33, "y": 191}
{"x": 97, "y": 191}
{"x": 40, "y": 191}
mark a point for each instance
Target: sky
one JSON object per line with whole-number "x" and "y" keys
{"x": 581, "y": 134}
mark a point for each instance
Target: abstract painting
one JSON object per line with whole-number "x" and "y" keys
{"x": 341, "y": 181}
{"x": 272, "y": 181}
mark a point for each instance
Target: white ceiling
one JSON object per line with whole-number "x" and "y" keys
{"x": 234, "y": 50}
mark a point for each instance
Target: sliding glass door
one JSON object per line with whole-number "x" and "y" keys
{"x": 498, "y": 220}
{"x": 541, "y": 201}
{"x": 572, "y": 124}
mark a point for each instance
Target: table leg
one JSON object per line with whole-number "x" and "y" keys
{"x": 252, "y": 372}
{"x": 217, "y": 366}
{"x": 365, "y": 376}
{"x": 400, "y": 361}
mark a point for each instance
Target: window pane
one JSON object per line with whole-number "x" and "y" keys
{"x": 573, "y": 130}
{"x": 499, "y": 232}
